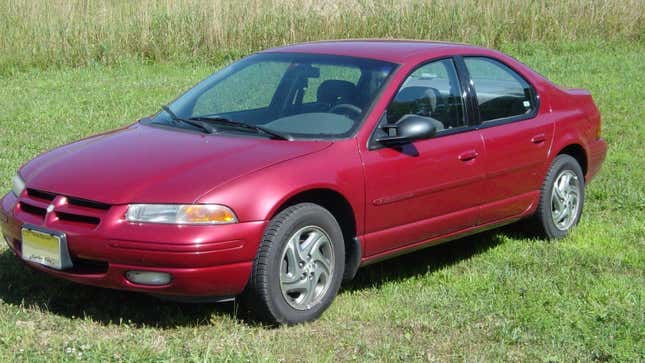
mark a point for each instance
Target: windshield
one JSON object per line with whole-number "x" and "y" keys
{"x": 307, "y": 96}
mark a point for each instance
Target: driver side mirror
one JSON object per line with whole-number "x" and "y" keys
{"x": 409, "y": 128}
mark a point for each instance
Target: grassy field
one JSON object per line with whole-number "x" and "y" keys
{"x": 69, "y": 69}
{"x": 46, "y": 34}
{"x": 497, "y": 296}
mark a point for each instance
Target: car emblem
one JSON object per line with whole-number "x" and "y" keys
{"x": 50, "y": 208}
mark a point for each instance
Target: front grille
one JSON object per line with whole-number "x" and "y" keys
{"x": 39, "y": 194}
{"x": 32, "y": 209}
{"x": 67, "y": 210}
{"x": 87, "y": 203}
{"x": 78, "y": 218}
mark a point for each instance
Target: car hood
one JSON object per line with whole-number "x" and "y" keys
{"x": 148, "y": 164}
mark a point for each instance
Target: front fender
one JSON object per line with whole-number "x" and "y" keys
{"x": 259, "y": 195}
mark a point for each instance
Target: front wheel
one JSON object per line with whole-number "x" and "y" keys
{"x": 561, "y": 198}
{"x": 299, "y": 266}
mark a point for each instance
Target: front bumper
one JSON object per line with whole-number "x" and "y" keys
{"x": 203, "y": 260}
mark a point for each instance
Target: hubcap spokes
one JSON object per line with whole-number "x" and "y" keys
{"x": 306, "y": 267}
{"x": 565, "y": 200}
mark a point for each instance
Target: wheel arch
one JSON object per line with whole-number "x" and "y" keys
{"x": 577, "y": 152}
{"x": 340, "y": 207}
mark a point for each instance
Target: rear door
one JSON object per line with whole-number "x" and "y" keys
{"x": 516, "y": 137}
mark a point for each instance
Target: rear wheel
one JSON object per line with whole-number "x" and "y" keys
{"x": 299, "y": 266}
{"x": 561, "y": 199}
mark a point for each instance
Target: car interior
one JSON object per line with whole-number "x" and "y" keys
{"x": 432, "y": 91}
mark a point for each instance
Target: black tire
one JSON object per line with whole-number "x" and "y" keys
{"x": 264, "y": 295}
{"x": 543, "y": 220}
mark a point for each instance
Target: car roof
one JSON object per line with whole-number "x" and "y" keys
{"x": 395, "y": 51}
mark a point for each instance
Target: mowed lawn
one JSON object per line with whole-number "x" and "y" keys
{"x": 496, "y": 296}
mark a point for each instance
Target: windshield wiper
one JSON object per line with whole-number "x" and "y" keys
{"x": 241, "y": 125}
{"x": 204, "y": 126}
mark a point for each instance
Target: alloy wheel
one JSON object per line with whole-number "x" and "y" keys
{"x": 565, "y": 200}
{"x": 306, "y": 267}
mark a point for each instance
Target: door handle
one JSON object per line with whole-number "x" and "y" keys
{"x": 468, "y": 155}
{"x": 537, "y": 139}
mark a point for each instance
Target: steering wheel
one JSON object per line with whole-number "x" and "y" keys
{"x": 346, "y": 109}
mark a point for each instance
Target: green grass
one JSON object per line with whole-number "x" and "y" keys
{"x": 45, "y": 34}
{"x": 496, "y": 296}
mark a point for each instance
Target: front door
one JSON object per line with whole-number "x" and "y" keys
{"x": 429, "y": 187}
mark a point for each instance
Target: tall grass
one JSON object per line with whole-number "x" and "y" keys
{"x": 75, "y": 32}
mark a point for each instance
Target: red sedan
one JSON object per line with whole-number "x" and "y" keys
{"x": 277, "y": 177}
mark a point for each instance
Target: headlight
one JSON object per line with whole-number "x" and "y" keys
{"x": 180, "y": 214}
{"x": 17, "y": 185}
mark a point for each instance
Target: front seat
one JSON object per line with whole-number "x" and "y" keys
{"x": 416, "y": 100}
{"x": 334, "y": 91}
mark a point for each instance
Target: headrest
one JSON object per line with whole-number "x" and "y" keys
{"x": 426, "y": 95}
{"x": 334, "y": 91}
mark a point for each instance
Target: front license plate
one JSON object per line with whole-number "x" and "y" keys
{"x": 45, "y": 247}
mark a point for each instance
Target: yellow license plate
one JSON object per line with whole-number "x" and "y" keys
{"x": 45, "y": 248}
